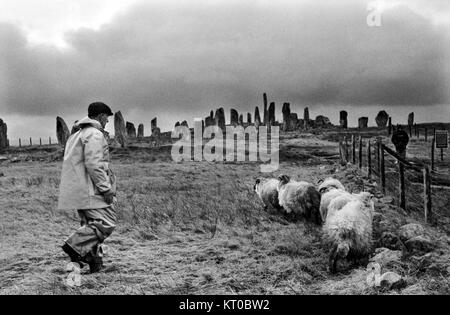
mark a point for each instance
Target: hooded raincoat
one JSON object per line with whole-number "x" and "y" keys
{"x": 86, "y": 175}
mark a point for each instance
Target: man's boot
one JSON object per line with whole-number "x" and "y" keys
{"x": 95, "y": 260}
{"x": 74, "y": 257}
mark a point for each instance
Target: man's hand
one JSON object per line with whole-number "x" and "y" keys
{"x": 109, "y": 197}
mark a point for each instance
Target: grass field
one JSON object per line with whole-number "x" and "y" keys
{"x": 193, "y": 228}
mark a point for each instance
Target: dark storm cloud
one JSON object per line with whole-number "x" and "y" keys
{"x": 191, "y": 59}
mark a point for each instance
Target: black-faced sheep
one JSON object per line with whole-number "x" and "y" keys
{"x": 266, "y": 189}
{"x": 348, "y": 228}
{"x": 330, "y": 188}
{"x": 300, "y": 198}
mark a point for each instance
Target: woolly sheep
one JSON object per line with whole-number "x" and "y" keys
{"x": 266, "y": 189}
{"x": 300, "y": 198}
{"x": 330, "y": 188}
{"x": 348, "y": 228}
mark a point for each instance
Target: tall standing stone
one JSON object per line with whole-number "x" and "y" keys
{"x": 382, "y": 119}
{"x": 140, "y": 131}
{"x": 257, "y": 118}
{"x": 154, "y": 123}
{"x": 411, "y": 119}
{"x": 209, "y": 121}
{"x": 120, "y": 130}
{"x": 286, "y": 116}
{"x": 234, "y": 117}
{"x": 266, "y": 112}
{"x": 293, "y": 121}
{"x": 306, "y": 119}
{"x": 3, "y": 135}
{"x": 249, "y": 118}
{"x": 343, "y": 119}
{"x": 131, "y": 130}
{"x": 272, "y": 114}
{"x": 220, "y": 118}
{"x": 363, "y": 122}
{"x": 62, "y": 131}
{"x": 241, "y": 120}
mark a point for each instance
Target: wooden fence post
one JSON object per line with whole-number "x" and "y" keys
{"x": 50, "y": 140}
{"x": 353, "y": 149}
{"x": 426, "y": 134}
{"x": 382, "y": 170}
{"x": 369, "y": 159}
{"x": 31, "y": 142}
{"x": 40, "y": 141}
{"x": 427, "y": 194}
{"x": 20, "y": 143}
{"x": 402, "y": 185}
{"x": 360, "y": 152}
{"x": 433, "y": 144}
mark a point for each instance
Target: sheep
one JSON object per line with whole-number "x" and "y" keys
{"x": 348, "y": 228}
{"x": 266, "y": 189}
{"x": 330, "y": 188}
{"x": 300, "y": 198}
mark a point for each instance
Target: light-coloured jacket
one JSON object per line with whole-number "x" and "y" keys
{"x": 86, "y": 175}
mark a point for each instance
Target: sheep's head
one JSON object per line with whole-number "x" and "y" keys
{"x": 256, "y": 186}
{"x": 284, "y": 179}
{"x": 328, "y": 184}
{"x": 342, "y": 250}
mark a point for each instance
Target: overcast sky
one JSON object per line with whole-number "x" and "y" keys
{"x": 179, "y": 59}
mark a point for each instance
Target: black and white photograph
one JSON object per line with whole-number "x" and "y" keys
{"x": 224, "y": 148}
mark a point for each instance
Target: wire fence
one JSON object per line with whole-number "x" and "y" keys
{"x": 413, "y": 186}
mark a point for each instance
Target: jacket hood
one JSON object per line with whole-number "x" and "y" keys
{"x": 88, "y": 122}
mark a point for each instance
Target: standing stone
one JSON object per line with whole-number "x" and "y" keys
{"x": 120, "y": 129}
{"x": 411, "y": 119}
{"x": 220, "y": 118}
{"x": 322, "y": 121}
{"x": 156, "y": 132}
{"x": 185, "y": 124}
{"x": 154, "y": 123}
{"x": 286, "y": 116}
{"x": 293, "y": 121}
{"x": 266, "y": 112}
{"x": 234, "y": 117}
{"x": 257, "y": 118}
{"x": 306, "y": 120}
{"x": 272, "y": 114}
{"x": 3, "y": 135}
{"x": 363, "y": 122}
{"x": 131, "y": 130}
{"x": 140, "y": 131}
{"x": 241, "y": 120}
{"x": 249, "y": 118}
{"x": 62, "y": 131}
{"x": 209, "y": 121}
{"x": 343, "y": 119}
{"x": 382, "y": 119}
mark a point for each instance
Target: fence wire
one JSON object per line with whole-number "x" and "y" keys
{"x": 414, "y": 182}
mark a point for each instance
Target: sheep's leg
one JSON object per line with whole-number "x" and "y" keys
{"x": 333, "y": 259}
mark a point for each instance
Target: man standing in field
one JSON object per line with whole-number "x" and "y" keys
{"x": 88, "y": 185}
